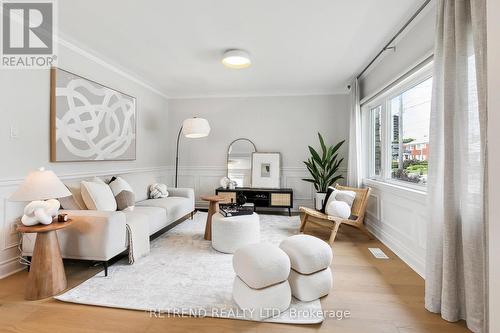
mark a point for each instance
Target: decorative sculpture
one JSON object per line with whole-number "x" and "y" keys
{"x": 157, "y": 191}
{"x": 40, "y": 212}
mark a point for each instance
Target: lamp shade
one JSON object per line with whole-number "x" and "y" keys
{"x": 195, "y": 128}
{"x": 40, "y": 185}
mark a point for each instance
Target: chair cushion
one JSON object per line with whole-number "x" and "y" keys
{"x": 308, "y": 254}
{"x": 262, "y": 303}
{"x": 310, "y": 287}
{"x": 156, "y": 217}
{"x": 261, "y": 265}
{"x": 98, "y": 196}
{"x": 338, "y": 209}
{"x": 333, "y": 194}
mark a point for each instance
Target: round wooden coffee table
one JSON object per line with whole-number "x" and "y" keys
{"x": 213, "y": 207}
{"x": 46, "y": 277}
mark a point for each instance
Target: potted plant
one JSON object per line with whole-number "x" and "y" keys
{"x": 323, "y": 168}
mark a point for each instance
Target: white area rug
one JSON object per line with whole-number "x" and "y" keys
{"x": 184, "y": 275}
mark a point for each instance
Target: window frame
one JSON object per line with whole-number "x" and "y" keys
{"x": 368, "y": 153}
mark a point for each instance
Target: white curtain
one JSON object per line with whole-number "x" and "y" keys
{"x": 354, "y": 153}
{"x": 456, "y": 245}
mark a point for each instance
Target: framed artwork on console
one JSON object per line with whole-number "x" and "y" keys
{"x": 89, "y": 121}
{"x": 266, "y": 170}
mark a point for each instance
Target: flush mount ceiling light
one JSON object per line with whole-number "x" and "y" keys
{"x": 236, "y": 59}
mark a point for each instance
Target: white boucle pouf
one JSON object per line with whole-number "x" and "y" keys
{"x": 310, "y": 257}
{"x": 308, "y": 254}
{"x": 310, "y": 287}
{"x": 261, "y": 265}
{"x": 259, "y": 304}
{"x": 231, "y": 233}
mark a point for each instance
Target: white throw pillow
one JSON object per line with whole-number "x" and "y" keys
{"x": 338, "y": 209}
{"x": 98, "y": 196}
{"x": 341, "y": 195}
{"x": 346, "y": 196}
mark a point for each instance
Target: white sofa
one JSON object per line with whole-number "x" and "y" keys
{"x": 101, "y": 235}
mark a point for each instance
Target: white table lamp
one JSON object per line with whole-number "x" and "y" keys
{"x": 40, "y": 185}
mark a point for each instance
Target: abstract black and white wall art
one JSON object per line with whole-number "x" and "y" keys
{"x": 89, "y": 121}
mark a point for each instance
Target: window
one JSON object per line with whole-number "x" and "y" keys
{"x": 398, "y": 121}
{"x": 377, "y": 139}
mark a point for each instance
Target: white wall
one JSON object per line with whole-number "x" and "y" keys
{"x": 396, "y": 215}
{"x": 494, "y": 161}
{"x": 285, "y": 124}
{"x": 414, "y": 45}
{"x": 24, "y": 104}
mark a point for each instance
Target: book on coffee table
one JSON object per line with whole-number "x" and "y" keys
{"x": 228, "y": 210}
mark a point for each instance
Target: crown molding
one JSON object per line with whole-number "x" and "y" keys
{"x": 99, "y": 59}
{"x": 277, "y": 94}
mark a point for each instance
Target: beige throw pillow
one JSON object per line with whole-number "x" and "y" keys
{"x": 98, "y": 196}
{"x": 124, "y": 195}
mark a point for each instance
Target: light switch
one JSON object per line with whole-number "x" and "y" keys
{"x": 14, "y": 132}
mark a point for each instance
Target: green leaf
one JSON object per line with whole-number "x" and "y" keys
{"x": 315, "y": 155}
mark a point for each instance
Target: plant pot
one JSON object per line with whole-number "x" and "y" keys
{"x": 319, "y": 199}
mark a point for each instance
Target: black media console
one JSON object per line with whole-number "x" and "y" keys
{"x": 260, "y": 197}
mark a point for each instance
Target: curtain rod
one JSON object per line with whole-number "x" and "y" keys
{"x": 388, "y": 45}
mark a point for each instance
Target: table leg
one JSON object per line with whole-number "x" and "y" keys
{"x": 46, "y": 276}
{"x": 213, "y": 207}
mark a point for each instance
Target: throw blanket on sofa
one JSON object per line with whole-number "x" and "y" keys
{"x": 138, "y": 239}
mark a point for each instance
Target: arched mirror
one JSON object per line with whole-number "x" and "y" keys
{"x": 239, "y": 161}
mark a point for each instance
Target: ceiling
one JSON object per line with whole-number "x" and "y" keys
{"x": 297, "y": 46}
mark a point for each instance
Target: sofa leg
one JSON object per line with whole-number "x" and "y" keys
{"x": 191, "y": 215}
{"x": 106, "y": 268}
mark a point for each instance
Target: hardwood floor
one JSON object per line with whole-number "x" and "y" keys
{"x": 383, "y": 296}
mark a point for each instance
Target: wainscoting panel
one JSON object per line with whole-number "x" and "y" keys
{"x": 10, "y": 212}
{"x": 205, "y": 179}
{"x": 396, "y": 216}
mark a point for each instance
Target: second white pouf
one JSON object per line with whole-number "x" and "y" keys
{"x": 231, "y": 233}
{"x": 261, "y": 285}
{"x": 310, "y": 257}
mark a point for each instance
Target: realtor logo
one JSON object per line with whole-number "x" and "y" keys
{"x": 27, "y": 34}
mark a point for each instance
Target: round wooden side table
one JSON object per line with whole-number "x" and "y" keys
{"x": 213, "y": 207}
{"x": 46, "y": 277}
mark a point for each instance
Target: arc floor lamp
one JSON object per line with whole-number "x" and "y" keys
{"x": 192, "y": 128}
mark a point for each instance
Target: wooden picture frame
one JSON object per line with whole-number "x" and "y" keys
{"x": 90, "y": 121}
{"x": 266, "y": 170}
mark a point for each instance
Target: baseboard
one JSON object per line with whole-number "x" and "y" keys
{"x": 416, "y": 262}
{"x": 10, "y": 267}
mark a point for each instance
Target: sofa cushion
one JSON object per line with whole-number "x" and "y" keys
{"x": 156, "y": 217}
{"x": 308, "y": 254}
{"x": 140, "y": 182}
{"x": 98, "y": 196}
{"x": 176, "y": 207}
{"x": 261, "y": 265}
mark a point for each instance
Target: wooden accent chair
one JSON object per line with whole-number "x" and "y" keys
{"x": 356, "y": 219}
